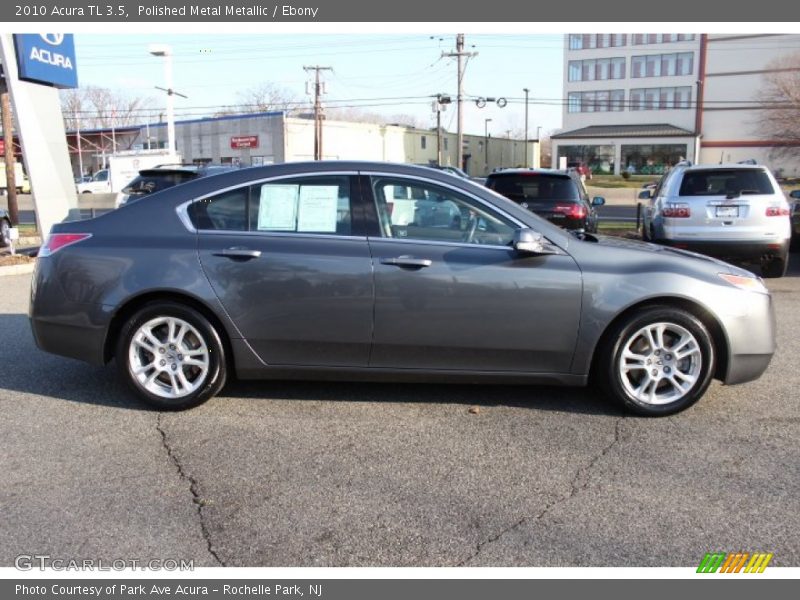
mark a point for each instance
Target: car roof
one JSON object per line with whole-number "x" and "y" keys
{"x": 565, "y": 173}
{"x": 739, "y": 166}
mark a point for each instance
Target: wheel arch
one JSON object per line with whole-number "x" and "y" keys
{"x": 718, "y": 337}
{"x": 127, "y": 310}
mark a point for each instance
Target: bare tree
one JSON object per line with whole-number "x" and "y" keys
{"x": 780, "y": 101}
{"x": 98, "y": 107}
{"x": 264, "y": 97}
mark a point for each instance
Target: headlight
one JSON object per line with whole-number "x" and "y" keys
{"x": 750, "y": 284}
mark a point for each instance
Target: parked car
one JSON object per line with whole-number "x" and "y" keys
{"x": 315, "y": 270}
{"x": 454, "y": 171}
{"x": 5, "y": 226}
{"x": 735, "y": 212}
{"x": 581, "y": 168}
{"x": 161, "y": 177}
{"x": 558, "y": 196}
{"x": 795, "y": 210}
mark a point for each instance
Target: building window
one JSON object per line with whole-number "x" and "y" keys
{"x": 662, "y": 65}
{"x": 665, "y": 98}
{"x": 596, "y": 69}
{"x": 651, "y": 159}
{"x": 423, "y": 142}
{"x": 584, "y": 41}
{"x": 595, "y": 101}
{"x": 444, "y": 144}
{"x": 599, "y": 158}
{"x": 638, "y": 39}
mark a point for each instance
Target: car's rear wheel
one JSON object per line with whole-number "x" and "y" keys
{"x": 658, "y": 361}
{"x": 171, "y": 356}
{"x": 774, "y": 266}
{"x": 5, "y": 228}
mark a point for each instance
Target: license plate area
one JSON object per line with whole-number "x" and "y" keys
{"x": 727, "y": 212}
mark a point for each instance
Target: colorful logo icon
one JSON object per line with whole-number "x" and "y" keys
{"x": 734, "y": 562}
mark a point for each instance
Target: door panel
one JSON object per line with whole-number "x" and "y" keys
{"x": 285, "y": 260}
{"x": 474, "y": 308}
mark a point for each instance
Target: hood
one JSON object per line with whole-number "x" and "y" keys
{"x": 666, "y": 251}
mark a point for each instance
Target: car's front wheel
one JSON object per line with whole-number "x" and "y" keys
{"x": 657, "y": 361}
{"x": 171, "y": 356}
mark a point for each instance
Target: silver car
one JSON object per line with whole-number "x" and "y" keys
{"x": 736, "y": 212}
{"x": 323, "y": 270}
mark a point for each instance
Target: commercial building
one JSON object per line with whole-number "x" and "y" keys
{"x": 642, "y": 102}
{"x": 275, "y": 137}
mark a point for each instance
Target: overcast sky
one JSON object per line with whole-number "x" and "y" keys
{"x": 386, "y": 73}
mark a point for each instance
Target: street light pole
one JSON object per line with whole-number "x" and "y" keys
{"x": 165, "y": 52}
{"x": 486, "y": 145}
{"x": 526, "y": 90}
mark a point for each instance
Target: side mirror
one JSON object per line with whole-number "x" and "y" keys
{"x": 645, "y": 194}
{"x": 598, "y": 201}
{"x": 795, "y": 194}
{"x": 528, "y": 241}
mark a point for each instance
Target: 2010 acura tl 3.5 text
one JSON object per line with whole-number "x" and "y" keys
{"x": 373, "y": 271}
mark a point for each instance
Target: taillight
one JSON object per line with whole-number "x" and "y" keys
{"x": 676, "y": 210}
{"x": 777, "y": 211}
{"x": 574, "y": 211}
{"x": 58, "y": 241}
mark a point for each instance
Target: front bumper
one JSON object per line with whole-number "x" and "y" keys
{"x": 749, "y": 324}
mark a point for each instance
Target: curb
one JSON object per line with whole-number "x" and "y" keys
{"x": 17, "y": 269}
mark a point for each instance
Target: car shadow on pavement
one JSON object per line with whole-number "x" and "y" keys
{"x": 30, "y": 372}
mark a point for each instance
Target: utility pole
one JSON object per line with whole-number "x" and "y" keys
{"x": 526, "y": 90}
{"x": 440, "y": 104}
{"x": 8, "y": 138}
{"x": 460, "y": 55}
{"x": 317, "y": 109}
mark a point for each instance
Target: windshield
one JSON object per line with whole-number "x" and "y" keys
{"x": 725, "y": 182}
{"x": 533, "y": 186}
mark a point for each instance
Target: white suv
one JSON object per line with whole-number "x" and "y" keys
{"x": 736, "y": 212}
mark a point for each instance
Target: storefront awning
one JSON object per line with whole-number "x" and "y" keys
{"x": 624, "y": 131}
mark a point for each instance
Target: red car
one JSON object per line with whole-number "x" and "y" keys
{"x": 581, "y": 168}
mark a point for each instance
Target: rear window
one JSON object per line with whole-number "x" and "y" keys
{"x": 725, "y": 182}
{"x": 532, "y": 186}
{"x": 149, "y": 183}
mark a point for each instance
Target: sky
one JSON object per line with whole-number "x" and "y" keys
{"x": 383, "y": 72}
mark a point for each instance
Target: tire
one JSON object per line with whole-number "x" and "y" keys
{"x": 775, "y": 267}
{"x": 5, "y": 225}
{"x": 627, "y": 347}
{"x": 197, "y": 355}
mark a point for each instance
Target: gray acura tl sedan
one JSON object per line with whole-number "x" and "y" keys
{"x": 375, "y": 271}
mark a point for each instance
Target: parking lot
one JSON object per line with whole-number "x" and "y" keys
{"x": 333, "y": 474}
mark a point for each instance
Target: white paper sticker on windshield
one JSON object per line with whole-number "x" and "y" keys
{"x": 277, "y": 210}
{"x": 318, "y": 206}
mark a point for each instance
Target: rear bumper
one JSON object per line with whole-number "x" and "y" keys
{"x": 736, "y": 250}
{"x": 63, "y": 327}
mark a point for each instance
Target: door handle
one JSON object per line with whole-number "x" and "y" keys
{"x": 407, "y": 262}
{"x": 238, "y": 253}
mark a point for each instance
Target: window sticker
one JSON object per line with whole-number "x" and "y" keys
{"x": 318, "y": 208}
{"x": 277, "y": 209}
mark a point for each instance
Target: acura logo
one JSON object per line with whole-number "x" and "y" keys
{"x": 54, "y": 39}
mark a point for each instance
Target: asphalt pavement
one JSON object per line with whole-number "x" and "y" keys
{"x": 336, "y": 474}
